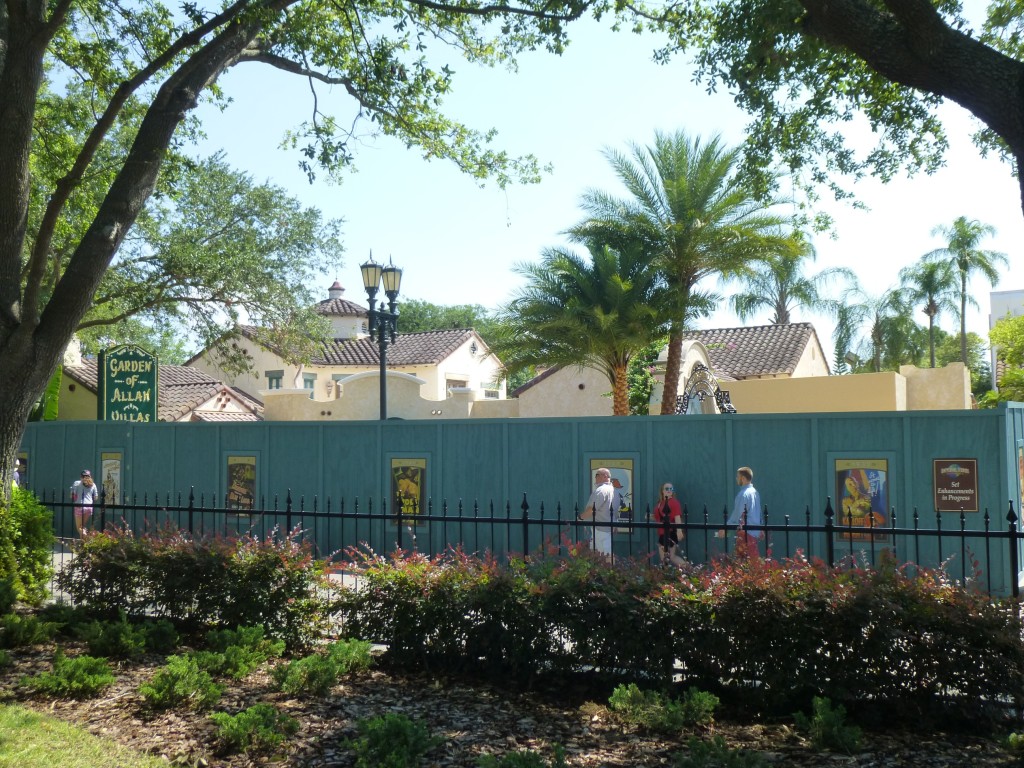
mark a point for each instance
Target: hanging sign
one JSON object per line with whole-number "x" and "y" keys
{"x": 127, "y": 384}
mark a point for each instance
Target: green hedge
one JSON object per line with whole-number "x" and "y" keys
{"x": 770, "y": 634}
{"x": 26, "y": 566}
{"x": 272, "y": 582}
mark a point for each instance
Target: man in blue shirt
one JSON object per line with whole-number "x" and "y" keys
{"x": 746, "y": 511}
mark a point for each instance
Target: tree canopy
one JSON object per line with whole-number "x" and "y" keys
{"x": 805, "y": 69}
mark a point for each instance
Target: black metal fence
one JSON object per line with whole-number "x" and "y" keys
{"x": 985, "y": 557}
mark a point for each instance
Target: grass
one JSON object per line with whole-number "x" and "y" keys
{"x": 31, "y": 740}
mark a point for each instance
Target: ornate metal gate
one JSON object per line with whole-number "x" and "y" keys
{"x": 701, "y": 384}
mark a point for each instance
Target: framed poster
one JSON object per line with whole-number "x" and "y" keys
{"x": 862, "y": 490}
{"x": 110, "y": 477}
{"x": 409, "y": 488}
{"x": 955, "y": 482}
{"x": 622, "y": 471}
{"x": 241, "y": 482}
{"x": 1020, "y": 471}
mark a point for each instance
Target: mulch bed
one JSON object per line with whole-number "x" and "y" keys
{"x": 472, "y": 720}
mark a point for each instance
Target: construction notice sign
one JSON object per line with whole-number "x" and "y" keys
{"x": 956, "y": 485}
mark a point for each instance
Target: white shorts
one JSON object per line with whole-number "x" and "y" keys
{"x": 603, "y": 541}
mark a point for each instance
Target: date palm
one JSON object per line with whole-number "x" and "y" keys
{"x": 930, "y": 285}
{"x": 599, "y": 312}
{"x": 963, "y": 237}
{"x": 689, "y": 208}
{"x": 778, "y": 283}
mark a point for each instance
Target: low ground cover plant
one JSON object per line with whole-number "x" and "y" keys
{"x": 21, "y": 630}
{"x": 181, "y": 682}
{"x": 763, "y": 634}
{"x": 260, "y": 728}
{"x": 114, "y": 639}
{"x": 79, "y": 677}
{"x": 827, "y": 727}
{"x": 391, "y": 741}
{"x": 655, "y": 711}
{"x": 316, "y": 674}
{"x": 237, "y": 652}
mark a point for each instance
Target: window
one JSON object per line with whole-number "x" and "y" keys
{"x": 449, "y": 383}
{"x": 274, "y": 379}
{"x": 491, "y": 394}
{"x": 308, "y": 380}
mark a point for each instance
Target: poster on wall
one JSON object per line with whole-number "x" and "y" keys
{"x": 862, "y": 488}
{"x": 1020, "y": 471}
{"x": 110, "y": 477}
{"x": 241, "y": 493}
{"x": 956, "y": 484}
{"x": 622, "y": 481}
{"x": 408, "y": 488}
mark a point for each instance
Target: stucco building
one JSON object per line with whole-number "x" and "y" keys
{"x": 423, "y": 368}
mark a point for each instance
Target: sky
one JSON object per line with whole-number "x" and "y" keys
{"x": 458, "y": 243}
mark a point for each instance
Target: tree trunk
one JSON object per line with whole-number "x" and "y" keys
{"x": 931, "y": 339}
{"x": 963, "y": 318}
{"x": 672, "y": 366}
{"x": 620, "y": 391}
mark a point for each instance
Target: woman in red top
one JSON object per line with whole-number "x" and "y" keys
{"x": 668, "y": 514}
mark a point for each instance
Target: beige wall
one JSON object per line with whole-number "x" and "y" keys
{"x": 820, "y": 394}
{"x": 568, "y": 391}
{"x": 912, "y": 389}
{"x": 76, "y": 402}
{"x": 812, "y": 361}
{"x": 938, "y": 389}
{"x": 358, "y": 399}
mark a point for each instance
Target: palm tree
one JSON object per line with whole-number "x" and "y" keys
{"x": 963, "y": 238}
{"x": 779, "y": 283}
{"x": 598, "y": 312}
{"x": 891, "y": 338}
{"x": 933, "y": 285}
{"x": 689, "y": 208}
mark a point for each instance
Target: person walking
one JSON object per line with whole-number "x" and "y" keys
{"x": 599, "y": 509}
{"x": 746, "y": 512}
{"x": 669, "y": 516}
{"x": 84, "y": 495}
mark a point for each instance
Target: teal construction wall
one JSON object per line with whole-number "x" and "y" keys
{"x": 548, "y": 460}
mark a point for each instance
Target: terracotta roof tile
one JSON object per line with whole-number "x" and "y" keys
{"x": 760, "y": 350}
{"x": 224, "y": 416}
{"x": 426, "y": 348}
{"x": 182, "y": 389}
{"x": 340, "y": 307}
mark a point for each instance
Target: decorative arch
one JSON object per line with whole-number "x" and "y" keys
{"x": 703, "y": 383}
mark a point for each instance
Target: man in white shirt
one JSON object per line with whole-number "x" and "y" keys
{"x": 599, "y": 509}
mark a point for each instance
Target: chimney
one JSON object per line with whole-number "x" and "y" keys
{"x": 335, "y": 291}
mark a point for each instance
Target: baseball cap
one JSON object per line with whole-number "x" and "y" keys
{"x": 86, "y": 473}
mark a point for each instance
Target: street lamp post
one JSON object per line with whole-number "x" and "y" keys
{"x": 383, "y": 322}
